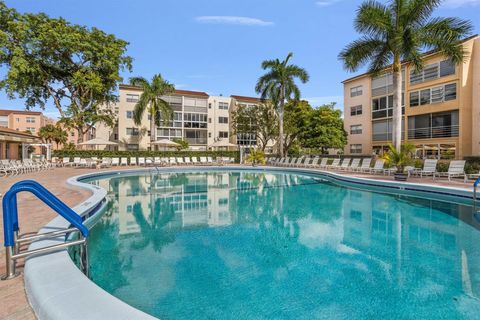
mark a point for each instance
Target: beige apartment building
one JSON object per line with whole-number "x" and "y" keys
{"x": 198, "y": 118}
{"x": 441, "y": 108}
{"x": 24, "y": 121}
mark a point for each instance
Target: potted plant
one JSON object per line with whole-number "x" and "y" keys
{"x": 400, "y": 159}
{"x": 255, "y": 156}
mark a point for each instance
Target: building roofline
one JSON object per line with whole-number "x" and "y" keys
{"x": 6, "y": 112}
{"x": 244, "y": 98}
{"x": 177, "y": 91}
{"x": 13, "y": 131}
{"x": 424, "y": 55}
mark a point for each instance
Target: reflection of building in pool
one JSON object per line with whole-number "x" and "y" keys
{"x": 195, "y": 200}
{"x": 379, "y": 227}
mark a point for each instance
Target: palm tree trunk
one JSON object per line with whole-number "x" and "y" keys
{"x": 397, "y": 103}
{"x": 153, "y": 127}
{"x": 280, "y": 120}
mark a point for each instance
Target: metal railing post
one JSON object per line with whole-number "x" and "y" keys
{"x": 9, "y": 263}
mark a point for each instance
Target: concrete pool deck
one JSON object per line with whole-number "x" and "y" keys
{"x": 33, "y": 215}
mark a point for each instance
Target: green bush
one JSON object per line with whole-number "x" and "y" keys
{"x": 127, "y": 154}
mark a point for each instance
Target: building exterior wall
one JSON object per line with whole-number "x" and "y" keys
{"x": 452, "y": 140}
{"x": 216, "y": 109}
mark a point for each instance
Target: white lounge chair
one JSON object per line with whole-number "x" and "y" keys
{"x": 106, "y": 162}
{"x": 365, "y": 167}
{"x": 429, "y": 168}
{"x": 210, "y": 160}
{"x": 305, "y": 162}
{"x": 313, "y": 164}
{"x": 123, "y": 161}
{"x": 115, "y": 161}
{"x": 345, "y": 164}
{"x": 141, "y": 161}
{"x": 76, "y": 161}
{"x": 354, "y": 165}
{"x": 180, "y": 160}
{"x": 456, "y": 168}
{"x": 203, "y": 161}
{"x": 334, "y": 164}
{"x": 324, "y": 163}
{"x": 133, "y": 161}
{"x": 195, "y": 161}
{"x": 157, "y": 161}
{"x": 378, "y": 167}
{"x": 187, "y": 160}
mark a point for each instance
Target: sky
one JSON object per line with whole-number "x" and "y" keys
{"x": 217, "y": 46}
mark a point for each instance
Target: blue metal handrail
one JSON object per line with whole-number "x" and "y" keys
{"x": 10, "y": 210}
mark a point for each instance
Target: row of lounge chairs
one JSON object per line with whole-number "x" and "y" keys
{"x": 456, "y": 167}
{"x": 140, "y": 161}
{"x": 14, "y": 167}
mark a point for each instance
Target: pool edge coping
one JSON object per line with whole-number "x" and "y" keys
{"x": 57, "y": 289}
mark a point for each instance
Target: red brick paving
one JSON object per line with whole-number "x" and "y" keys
{"x": 33, "y": 214}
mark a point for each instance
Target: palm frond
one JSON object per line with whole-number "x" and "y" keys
{"x": 138, "y": 82}
{"x": 359, "y": 52}
{"x": 373, "y": 19}
{"x": 140, "y": 108}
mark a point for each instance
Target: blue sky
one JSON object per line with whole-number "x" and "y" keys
{"x": 217, "y": 46}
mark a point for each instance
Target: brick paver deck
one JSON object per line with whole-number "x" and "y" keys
{"x": 33, "y": 214}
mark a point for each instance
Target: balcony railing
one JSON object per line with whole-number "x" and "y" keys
{"x": 197, "y": 140}
{"x": 433, "y": 132}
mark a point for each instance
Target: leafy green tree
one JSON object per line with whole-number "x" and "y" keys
{"x": 278, "y": 85}
{"x": 401, "y": 30}
{"x": 297, "y": 115}
{"x": 260, "y": 120}
{"x": 324, "y": 129}
{"x": 151, "y": 100}
{"x": 49, "y": 59}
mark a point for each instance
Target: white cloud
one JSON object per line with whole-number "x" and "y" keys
{"x": 326, "y": 3}
{"x": 460, "y": 3}
{"x": 244, "y": 21}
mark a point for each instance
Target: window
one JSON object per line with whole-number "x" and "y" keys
{"x": 356, "y": 91}
{"x": 222, "y": 119}
{"x": 356, "y": 148}
{"x": 209, "y": 134}
{"x": 195, "y": 120}
{"x": 132, "y": 147}
{"x": 382, "y": 130}
{"x": 132, "y": 97}
{"x": 209, "y": 106}
{"x": 223, "y": 105}
{"x": 129, "y": 114}
{"x": 30, "y": 120}
{"x": 356, "y": 129}
{"x": 432, "y": 71}
{"x": 18, "y": 119}
{"x": 425, "y": 97}
{"x": 450, "y": 92}
{"x": 433, "y": 95}
{"x": 383, "y": 107}
{"x": 223, "y": 134}
{"x": 433, "y": 125}
{"x": 209, "y": 120}
{"x": 31, "y": 129}
{"x": 4, "y": 121}
{"x": 133, "y": 132}
{"x": 356, "y": 110}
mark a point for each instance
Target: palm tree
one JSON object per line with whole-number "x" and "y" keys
{"x": 278, "y": 85}
{"x": 151, "y": 99}
{"x": 399, "y": 31}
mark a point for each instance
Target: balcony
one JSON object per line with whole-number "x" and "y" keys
{"x": 195, "y": 141}
{"x": 433, "y": 132}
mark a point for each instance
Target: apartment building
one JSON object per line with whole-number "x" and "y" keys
{"x": 24, "y": 121}
{"x": 441, "y": 107}
{"x": 198, "y": 118}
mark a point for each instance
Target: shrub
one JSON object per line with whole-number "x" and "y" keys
{"x": 144, "y": 153}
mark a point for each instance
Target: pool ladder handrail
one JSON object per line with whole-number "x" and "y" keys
{"x": 475, "y": 199}
{"x": 13, "y": 240}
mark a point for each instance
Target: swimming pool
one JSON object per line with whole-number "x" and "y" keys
{"x": 281, "y": 245}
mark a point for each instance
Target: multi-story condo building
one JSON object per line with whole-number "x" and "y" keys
{"x": 24, "y": 121}
{"x": 441, "y": 107}
{"x": 198, "y": 118}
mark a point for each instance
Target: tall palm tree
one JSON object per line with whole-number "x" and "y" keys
{"x": 278, "y": 85}
{"x": 151, "y": 100}
{"x": 402, "y": 30}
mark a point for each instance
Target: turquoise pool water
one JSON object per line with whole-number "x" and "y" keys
{"x": 271, "y": 245}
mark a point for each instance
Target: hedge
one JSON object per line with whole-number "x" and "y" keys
{"x": 141, "y": 153}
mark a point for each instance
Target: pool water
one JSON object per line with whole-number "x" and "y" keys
{"x": 273, "y": 245}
